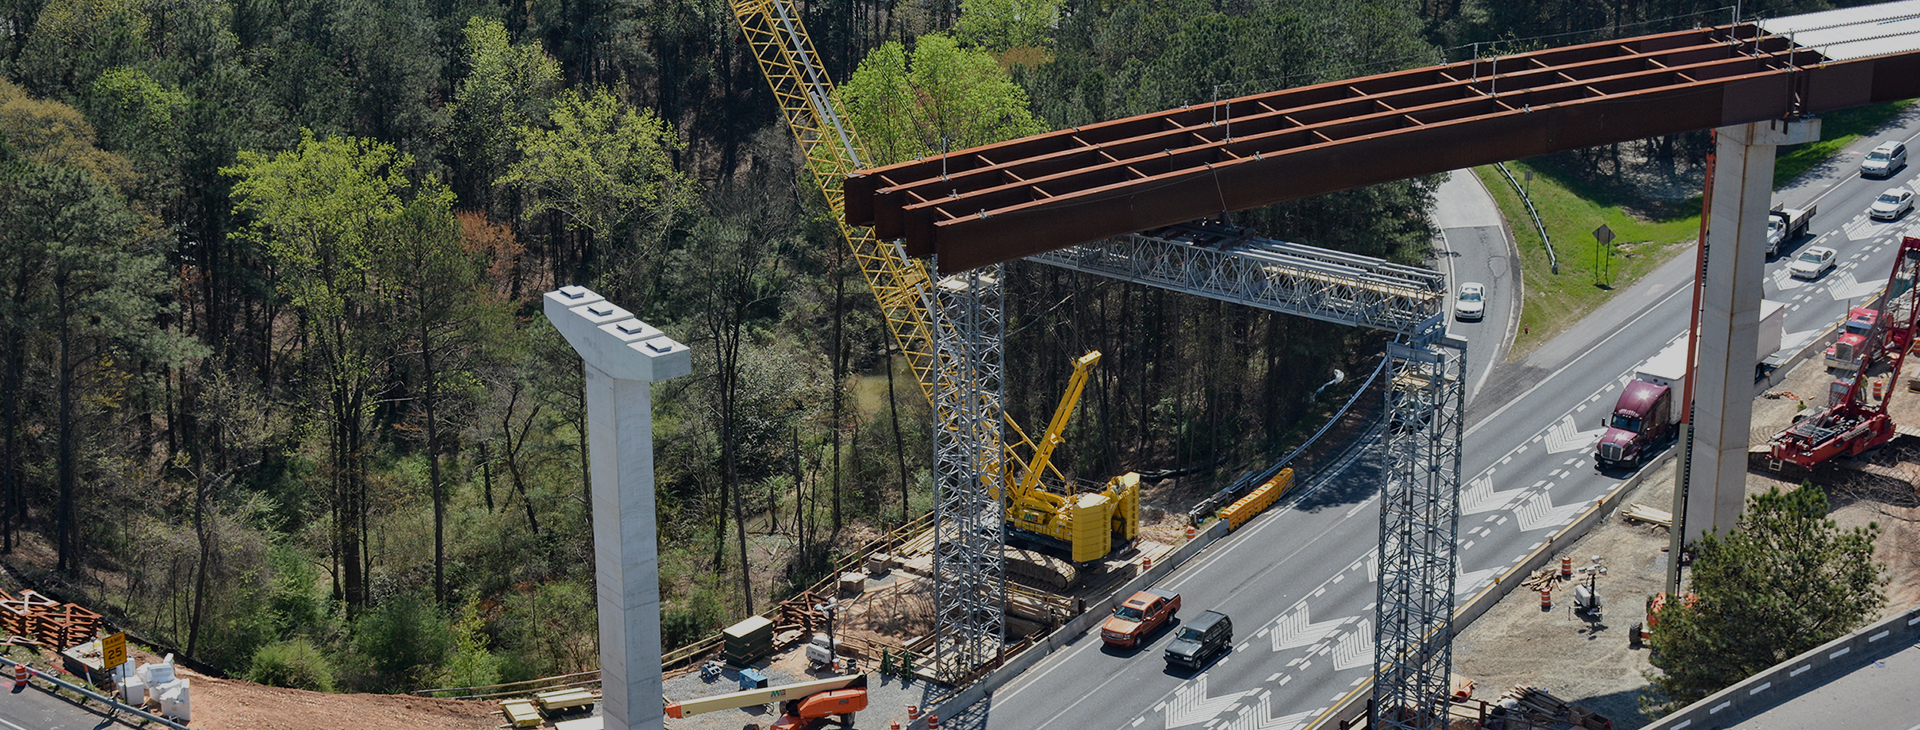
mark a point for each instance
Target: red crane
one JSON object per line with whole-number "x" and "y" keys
{"x": 1855, "y": 418}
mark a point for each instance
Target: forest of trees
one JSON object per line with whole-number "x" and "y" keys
{"x": 277, "y": 389}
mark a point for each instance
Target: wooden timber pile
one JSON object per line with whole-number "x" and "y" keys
{"x": 1535, "y": 707}
{"x": 34, "y": 619}
{"x": 1546, "y": 577}
{"x": 1643, "y": 513}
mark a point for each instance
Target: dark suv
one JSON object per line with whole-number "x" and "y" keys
{"x": 1206, "y": 636}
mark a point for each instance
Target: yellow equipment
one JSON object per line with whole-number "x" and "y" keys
{"x": 1082, "y": 524}
{"x": 812, "y": 109}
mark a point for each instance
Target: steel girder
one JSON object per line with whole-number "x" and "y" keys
{"x": 1013, "y": 199}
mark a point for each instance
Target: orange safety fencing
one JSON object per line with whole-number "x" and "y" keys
{"x": 1258, "y": 500}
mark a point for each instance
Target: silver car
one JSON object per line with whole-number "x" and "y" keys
{"x": 1884, "y": 159}
{"x": 1813, "y": 262}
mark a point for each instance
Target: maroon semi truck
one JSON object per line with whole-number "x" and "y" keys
{"x": 1644, "y": 416}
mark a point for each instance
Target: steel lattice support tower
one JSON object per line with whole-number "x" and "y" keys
{"x": 968, "y": 455}
{"x": 1419, "y": 519}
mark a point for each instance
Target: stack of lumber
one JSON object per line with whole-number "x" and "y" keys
{"x": 1541, "y": 707}
{"x": 1545, "y": 577}
{"x": 748, "y": 641}
{"x": 556, "y": 701}
{"x": 1644, "y": 513}
{"x": 36, "y": 619}
{"x": 520, "y": 713}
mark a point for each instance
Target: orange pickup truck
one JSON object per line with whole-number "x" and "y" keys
{"x": 1140, "y": 615}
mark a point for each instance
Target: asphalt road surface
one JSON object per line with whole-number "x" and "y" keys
{"x": 22, "y": 708}
{"x": 1299, "y": 582}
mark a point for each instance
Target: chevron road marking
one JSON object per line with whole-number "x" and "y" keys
{"x": 1538, "y": 513}
{"x": 1260, "y": 717}
{"x": 1845, "y": 287}
{"x": 1478, "y": 497}
{"x": 1191, "y": 704}
{"x": 1355, "y": 650}
{"x": 1294, "y": 630}
{"x": 1563, "y": 437}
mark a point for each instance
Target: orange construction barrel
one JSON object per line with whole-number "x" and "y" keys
{"x": 1566, "y": 566}
{"x": 1546, "y": 599}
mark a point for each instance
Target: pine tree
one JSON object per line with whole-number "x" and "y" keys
{"x": 1784, "y": 581}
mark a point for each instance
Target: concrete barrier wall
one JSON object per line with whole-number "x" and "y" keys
{"x": 1075, "y": 629}
{"x": 1794, "y": 676}
{"x": 1355, "y": 703}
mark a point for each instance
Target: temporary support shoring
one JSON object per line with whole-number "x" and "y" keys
{"x": 969, "y": 521}
{"x": 1419, "y": 520}
{"x": 1232, "y": 265}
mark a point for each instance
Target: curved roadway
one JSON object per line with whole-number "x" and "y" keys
{"x": 1299, "y": 582}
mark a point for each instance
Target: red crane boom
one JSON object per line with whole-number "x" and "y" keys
{"x": 1855, "y": 418}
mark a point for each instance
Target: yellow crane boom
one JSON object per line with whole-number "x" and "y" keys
{"x": 832, "y": 150}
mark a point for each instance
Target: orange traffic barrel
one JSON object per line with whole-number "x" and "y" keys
{"x": 1546, "y": 598}
{"x": 1146, "y": 563}
{"x": 895, "y": 725}
{"x": 1879, "y": 389}
{"x": 20, "y": 673}
{"x": 1189, "y": 532}
{"x": 1566, "y": 566}
{"x": 933, "y": 721}
{"x": 913, "y": 712}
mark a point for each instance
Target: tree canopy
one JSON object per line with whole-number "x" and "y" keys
{"x": 1785, "y": 580}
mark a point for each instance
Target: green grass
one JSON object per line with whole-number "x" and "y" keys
{"x": 1837, "y": 130}
{"x": 1556, "y": 301}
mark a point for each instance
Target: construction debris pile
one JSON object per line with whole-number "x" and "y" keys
{"x": 1532, "y": 707}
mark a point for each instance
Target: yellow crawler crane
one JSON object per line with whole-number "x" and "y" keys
{"x": 1084, "y": 523}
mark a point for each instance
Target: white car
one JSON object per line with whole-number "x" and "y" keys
{"x": 1813, "y": 262}
{"x": 1472, "y": 302}
{"x": 1892, "y": 204}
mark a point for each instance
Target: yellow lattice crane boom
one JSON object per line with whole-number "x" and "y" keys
{"x": 807, "y": 100}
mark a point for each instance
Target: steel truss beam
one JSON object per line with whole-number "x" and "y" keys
{"x": 1014, "y": 199}
{"x": 969, "y": 574}
{"x": 1419, "y": 521}
{"x": 1232, "y": 265}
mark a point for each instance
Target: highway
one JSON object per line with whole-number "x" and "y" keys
{"x": 22, "y": 708}
{"x": 1299, "y": 582}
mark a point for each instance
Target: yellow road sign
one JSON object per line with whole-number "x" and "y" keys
{"x": 113, "y": 651}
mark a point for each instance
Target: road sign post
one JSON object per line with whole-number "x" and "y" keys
{"x": 1603, "y": 254}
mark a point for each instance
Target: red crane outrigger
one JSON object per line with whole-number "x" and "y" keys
{"x": 1855, "y": 420}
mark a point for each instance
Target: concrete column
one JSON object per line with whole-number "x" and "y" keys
{"x": 623, "y": 358}
{"x": 1730, "y": 318}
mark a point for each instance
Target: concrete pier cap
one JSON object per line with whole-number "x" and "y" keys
{"x": 623, "y": 357}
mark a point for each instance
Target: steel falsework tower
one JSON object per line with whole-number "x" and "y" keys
{"x": 1419, "y": 519}
{"x": 968, "y": 454}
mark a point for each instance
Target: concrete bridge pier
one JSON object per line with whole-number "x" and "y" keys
{"x": 623, "y": 358}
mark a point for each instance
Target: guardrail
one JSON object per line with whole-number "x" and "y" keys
{"x": 114, "y": 704}
{"x": 1552, "y": 260}
{"x": 1789, "y": 678}
{"x": 1207, "y": 507}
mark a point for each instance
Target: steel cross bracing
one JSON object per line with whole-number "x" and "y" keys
{"x": 1419, "y": 521}
{"x": 1232, "y": 265}
{"x": 969, "y": 574}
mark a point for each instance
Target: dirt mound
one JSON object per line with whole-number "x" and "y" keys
{"x": 231, "y": 704}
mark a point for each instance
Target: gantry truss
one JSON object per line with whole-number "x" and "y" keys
{"x": 1419, "y": 521}
{"x": 969, "y": 574}
{"x": 1232, "y": 265}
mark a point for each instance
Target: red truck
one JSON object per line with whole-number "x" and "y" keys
{"x": 1138, "y": 616}
{"x": 1645, "y": 415}
{"x": 1848, "y": 350}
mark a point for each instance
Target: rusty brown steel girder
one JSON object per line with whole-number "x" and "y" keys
{"x": 1004, "y": 201}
